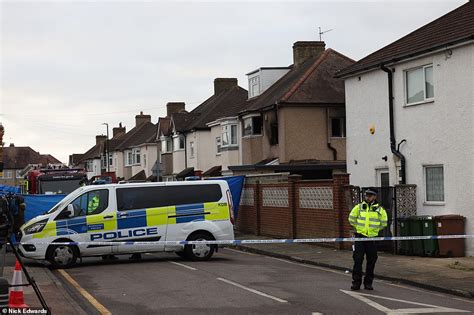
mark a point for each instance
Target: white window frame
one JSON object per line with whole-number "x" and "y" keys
{"x": 252, "y": 134}
{"x": 177, "y": 143}
{"x": 136, "y": 156}
{"x": 425, "y": 191}
{"x": 425, "y": 100}
{"x": 226, "y": 131}
{"x": 254, "y": 86}
{"x": 128, "y": 157}
{"x": 111, "y": 160}
{"x": 7, "y": 174}
{"x": 218, "y": 145}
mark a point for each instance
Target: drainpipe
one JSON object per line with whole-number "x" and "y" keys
{"x": 394, "y": 149}
{"x": 333, "y": 149}
{"x": 185, "y": 152}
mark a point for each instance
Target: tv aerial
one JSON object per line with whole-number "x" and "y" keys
{"x": 322, "y": 32}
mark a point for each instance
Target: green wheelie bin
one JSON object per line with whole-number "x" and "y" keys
{"x": 416, "y": 229}
{"x": 429, "y": 229}
{"x": 406, "y": 247}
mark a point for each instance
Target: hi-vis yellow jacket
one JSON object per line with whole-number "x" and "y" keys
{"x": 368, "y": 219}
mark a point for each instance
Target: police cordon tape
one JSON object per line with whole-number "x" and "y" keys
{"x": 262, "y": 241}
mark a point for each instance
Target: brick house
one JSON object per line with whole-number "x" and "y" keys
{"x": 296, "y": 124}
{"x": 16, "y": 159}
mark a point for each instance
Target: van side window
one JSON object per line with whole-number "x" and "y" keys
{"x": 163, "y": 196}
{"x": 92, "y": 202}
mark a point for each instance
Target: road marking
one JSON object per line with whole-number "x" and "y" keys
{"x": 253, "y": 290}
{"x": 182, "y": 265}
{"x": 102, "y": 309}
{"x": 428, "y": 307}
{"x": 241, "y": 252}
{"x": 310, "y": 266}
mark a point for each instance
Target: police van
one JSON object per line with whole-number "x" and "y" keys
{"x": 118, "y": 213}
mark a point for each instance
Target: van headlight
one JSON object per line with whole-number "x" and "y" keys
{"x": 36, "y": 227}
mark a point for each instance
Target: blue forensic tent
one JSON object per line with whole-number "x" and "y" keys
{"x": 236, "y": 184}
{"x": 4, "y": 189}
{"x": 39, "y": 204}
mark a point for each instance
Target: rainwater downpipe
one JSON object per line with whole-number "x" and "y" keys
{"x": 394, "y": 149}
{"x": 333, "y": 149}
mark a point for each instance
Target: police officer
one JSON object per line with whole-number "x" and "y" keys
{"x": 93, "y": 203}
{"x": 368, "y": 218}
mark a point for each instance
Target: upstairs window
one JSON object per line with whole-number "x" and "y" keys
{"x": 128, "y": 158}
{"x": 254, "y": 86}
{"x": 229, "y": 135}
{"x": 179, "y": 143}
{"x": 338, "y": 127}
{"x": 218, "y": 144}
{"x": 419, "y": 85}
{"x": 252, "y": 126}
{"x": 166, "y": 145}
{"x": 136, "y": 155}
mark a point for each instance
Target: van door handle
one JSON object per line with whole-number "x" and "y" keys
{"x": 123, "y": 215}
{"x": 108, "y": 217}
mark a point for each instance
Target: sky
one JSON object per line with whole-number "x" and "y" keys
{"x": 67, "y": 67}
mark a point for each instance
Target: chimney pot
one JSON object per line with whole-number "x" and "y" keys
{"x": 224, "y": 84}
{"x": 304, "y": 50}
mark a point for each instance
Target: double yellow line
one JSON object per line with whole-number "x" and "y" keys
{"x": 102, "y": 309}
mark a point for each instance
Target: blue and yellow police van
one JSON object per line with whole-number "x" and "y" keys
{"x": 108, "y": 219}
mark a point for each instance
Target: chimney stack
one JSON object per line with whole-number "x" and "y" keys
{"x": 224, "y": 84}
{"x": 100, "y": 138}
{"x": 174, "y": 107}
{"x": 303, "y": 51}
{"x": 117, "y": 131}
{"x": 142, "y": 119}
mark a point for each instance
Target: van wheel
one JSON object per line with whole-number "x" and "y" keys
{"x": 199, "y": 252}
{"x": 62, "y": 256}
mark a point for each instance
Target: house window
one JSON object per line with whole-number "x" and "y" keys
{"x": 338, "y": 127}
{"x": 103, "y": 161}
{"x": 218, "y": 144}
{"x": 179, "y": 143}
{"x": 229, "y": 135}
{"x": 252, "y": 126}
{"x": 136, "y": 156}
{"x": 434, "y": 182}
{"x": 169, "y": 145}
{"x": 111, "y": 160}
{"x": 128, "y": 158}
{"x": 419, "y": 85}
{"x": 7, "y": 174}
{"x": 254, "y": 86}
{"x": 18, "y": 174}
{"x": 191, "y": 149}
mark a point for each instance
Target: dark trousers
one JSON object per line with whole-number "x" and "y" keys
{"x": 369, "y": 249}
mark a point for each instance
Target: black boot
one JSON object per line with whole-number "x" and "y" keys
{"x": 368, "y": 287}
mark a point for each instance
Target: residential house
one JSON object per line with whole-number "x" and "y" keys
{"x": 205, "y": 140}
{"x": 164, "y": 140}
{"x": 92, "y": 159}
{"x": 296, "y": 124}
{"x": 137, "y": 149}
{"x": 17, "y": 159}
{"x": 410, "y": 118}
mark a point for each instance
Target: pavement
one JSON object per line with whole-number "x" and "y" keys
{"x": 447, "y": 275}
{"x": 57, "y": 296}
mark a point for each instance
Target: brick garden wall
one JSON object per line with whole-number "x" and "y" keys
{"x": 296, "y": 209}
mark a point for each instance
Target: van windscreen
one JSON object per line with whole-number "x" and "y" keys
{"x": 163, "y": 196}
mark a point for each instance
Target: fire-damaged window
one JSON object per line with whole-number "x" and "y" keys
{"x": 338, "y": 127}
{"x": 252, "y": 126}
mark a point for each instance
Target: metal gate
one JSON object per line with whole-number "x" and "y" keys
{"x": 399, "y": 201}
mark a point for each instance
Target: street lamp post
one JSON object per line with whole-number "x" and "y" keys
{"x": 107, "y": 164}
